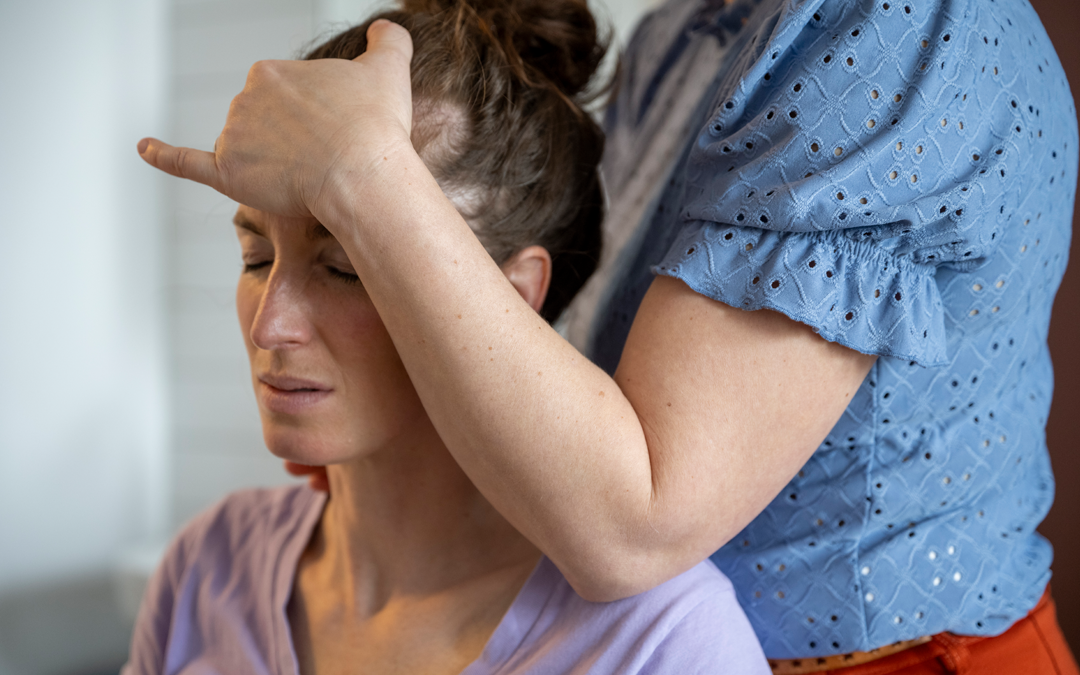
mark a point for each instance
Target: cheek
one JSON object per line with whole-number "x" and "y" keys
{"x": 357, "y": 340}
{"x": 374, "y": 376}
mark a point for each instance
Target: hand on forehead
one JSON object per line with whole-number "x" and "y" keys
{"x": 303, "y": 104}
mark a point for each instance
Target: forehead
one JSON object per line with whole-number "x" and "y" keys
{"x": 262, "y": 224}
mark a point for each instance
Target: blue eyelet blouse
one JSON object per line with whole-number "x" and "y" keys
{"x": 899, "y": 175}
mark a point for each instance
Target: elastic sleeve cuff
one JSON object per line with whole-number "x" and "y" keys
{"x": 851, "y": 293}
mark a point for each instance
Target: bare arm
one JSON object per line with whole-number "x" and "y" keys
{"x": 623, "y": 483}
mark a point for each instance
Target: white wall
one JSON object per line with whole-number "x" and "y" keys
{"x": 83, "y": 392}
{"x": 83, "y": 355}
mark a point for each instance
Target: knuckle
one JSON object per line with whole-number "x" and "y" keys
{"x": 262, "y": 70}
{"x": 237, "y": 104}
{"x": 180, "y": 161}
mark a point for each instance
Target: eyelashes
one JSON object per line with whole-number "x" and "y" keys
{"x": 346, "y": 277}
{"x": 343, "y": 276}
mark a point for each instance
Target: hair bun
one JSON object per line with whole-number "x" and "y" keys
{"x": 559, "y": 38}
{"x": 555, "y": 39}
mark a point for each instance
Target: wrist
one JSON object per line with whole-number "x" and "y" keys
{"x": 364, "y": 182}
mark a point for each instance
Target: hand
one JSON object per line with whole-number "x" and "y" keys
{"x": 316, "y": 475}
{"x": 301, "y": 129}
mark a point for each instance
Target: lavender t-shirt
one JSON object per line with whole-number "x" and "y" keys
{"x": 217, "y": 604}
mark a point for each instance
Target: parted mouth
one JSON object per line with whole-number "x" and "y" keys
{"x": 295, "y": 384}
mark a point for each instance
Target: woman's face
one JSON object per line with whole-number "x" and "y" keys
{"x": 329, "y": 383}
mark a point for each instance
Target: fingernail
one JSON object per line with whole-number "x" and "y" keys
{"x": 143, "y": 145}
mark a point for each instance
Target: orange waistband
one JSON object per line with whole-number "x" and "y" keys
{"x": 825, "y": 663}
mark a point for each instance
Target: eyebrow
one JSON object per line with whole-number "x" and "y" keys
{"x": 243, "y": 223}
{"x": 315, "y": 233}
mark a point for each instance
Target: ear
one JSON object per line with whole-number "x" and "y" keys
{"x": 529, "y": 270}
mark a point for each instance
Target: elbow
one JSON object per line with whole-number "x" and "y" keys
{"x": 610, "y": 589}
{"x": 615, "y": 578}
{"x": 609, "y": 572}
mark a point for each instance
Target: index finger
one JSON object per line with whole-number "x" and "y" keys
{"x": 197, "y": 165}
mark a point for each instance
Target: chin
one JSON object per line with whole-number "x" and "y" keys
{"x": 305, "y": 446}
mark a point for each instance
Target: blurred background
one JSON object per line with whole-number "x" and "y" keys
{"x": 125, "y": 403}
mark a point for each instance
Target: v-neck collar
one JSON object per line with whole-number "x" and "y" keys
{"x": 508, "y": 635}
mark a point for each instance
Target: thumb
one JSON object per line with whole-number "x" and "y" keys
{"x": 390, "y": 50}
{"x": 389, "y": 38}
{"x": 196, "y": 165}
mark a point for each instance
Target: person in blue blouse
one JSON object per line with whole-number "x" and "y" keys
{"x": 818, "y": 327}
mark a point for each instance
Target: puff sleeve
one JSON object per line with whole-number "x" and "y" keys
{"x": 857, "y": 148}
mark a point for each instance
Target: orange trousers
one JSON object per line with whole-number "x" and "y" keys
{"x": 1033, "y": 646}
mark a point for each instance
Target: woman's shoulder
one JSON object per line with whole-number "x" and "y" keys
{"x": 266, "y": 509}
{"x": 692, "y": 623}
{"x": 244, "y": 522}
{"x": 241, "y": 535}
{"x": 223, "y": 580}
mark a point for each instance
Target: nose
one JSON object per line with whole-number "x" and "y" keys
{"x": 282, "y": 321}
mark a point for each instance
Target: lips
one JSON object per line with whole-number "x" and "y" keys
{"x": 290, "y": 395}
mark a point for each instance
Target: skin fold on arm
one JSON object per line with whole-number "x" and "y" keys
{"x": 622, "y": 482}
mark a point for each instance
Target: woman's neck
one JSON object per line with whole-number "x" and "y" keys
{"x": 405, "y": 522}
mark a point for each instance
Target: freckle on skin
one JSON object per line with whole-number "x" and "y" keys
{"x": 601, "y": 393}
{"x": 489, "y": 349}
{"x": 669, "y": 405}
{"x": 459, "y": 316}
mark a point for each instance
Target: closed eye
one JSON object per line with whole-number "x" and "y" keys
{"x": 252, "y": 267}
{"x": 347, "y": 277}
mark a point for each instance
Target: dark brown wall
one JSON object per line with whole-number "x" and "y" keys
{"x": 1062, "y": 21}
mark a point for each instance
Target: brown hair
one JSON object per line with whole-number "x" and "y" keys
{"x": 500, "y": 90}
